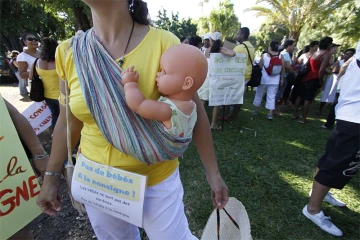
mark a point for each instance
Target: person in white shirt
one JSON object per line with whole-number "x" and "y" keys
{"x": 270, "y": 82}
{"x": 26, "y": 59}
{"x": 341, "y": 160}
{"x": 206, "y": 42}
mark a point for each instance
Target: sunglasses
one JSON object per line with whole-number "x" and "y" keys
{"x": 32, "y": 39}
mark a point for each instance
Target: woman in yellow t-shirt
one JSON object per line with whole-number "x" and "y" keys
{"x": 130, "y": 44}
{"x": 46, "y": 69}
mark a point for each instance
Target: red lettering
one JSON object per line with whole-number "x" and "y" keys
{"x": 32, "y": 186}
{"x": 23, "y": 192}
{"x": 7, "y": 201}
{"x": 10, "y": 168}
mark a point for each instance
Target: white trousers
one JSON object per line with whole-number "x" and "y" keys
{"x": 271, "y": 91}
{"x": 164, "y": 216}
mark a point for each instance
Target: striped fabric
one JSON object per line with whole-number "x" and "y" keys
{"x": 100, "y": 81}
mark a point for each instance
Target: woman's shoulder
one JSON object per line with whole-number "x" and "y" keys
{"x": 164, "y": 35}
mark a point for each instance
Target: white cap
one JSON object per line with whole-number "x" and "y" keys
{"x": 357, "y": 53}
{"x": 207, "y": 36}
{"x": 216, "y": 36}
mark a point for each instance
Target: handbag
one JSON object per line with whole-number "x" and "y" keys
{"x": 256, "y": 73}
{"x": 37, "y": 87}
{"x": 69, "y": 168}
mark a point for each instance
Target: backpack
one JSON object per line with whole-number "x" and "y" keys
{"x": 275, "y": 65}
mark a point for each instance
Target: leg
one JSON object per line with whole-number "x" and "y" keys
{"x": 108, "y": 227}
{"x": 321, "y": 107}
{"x": 297, "y": 106}
{"x": 305, "y": 110}
{"x": 319, "y": 191}
{"x": 55, "y": 110}
{"x": 22, "y": 84}
{"x": 164, "y": 215}
{"x": 270, "y": 98}
{"x": 281, "y": 90}
{"x": 215, "y": 113}
{"x": 330, "y": 121}
{"x": 259, "y": 94}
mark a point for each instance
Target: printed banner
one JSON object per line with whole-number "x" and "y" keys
{"x": 18, "y": 184}
{"x": 39, "y": 116}
{"x": 111, "y": 190}
{"x": 227, "y": 79}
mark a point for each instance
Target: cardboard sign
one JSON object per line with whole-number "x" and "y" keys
{"x": 39, "y": 116}
{"x": 111, "y": 190}
{"x": 227, "y": 79}
{"x": 18, "y": 184}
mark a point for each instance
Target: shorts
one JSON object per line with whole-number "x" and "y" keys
{"x": 341, "y": 160}
{"x": 308, "y": 89}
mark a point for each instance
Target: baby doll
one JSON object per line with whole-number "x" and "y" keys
{"x": 183, "y": 71}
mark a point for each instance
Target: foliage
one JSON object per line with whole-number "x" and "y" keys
{"x": 222, "y": 19}
{"x": 297, "y": 14}
{"x": 17, "y": 17}
{"x": 343, "y": 26}
{"x": 270, "y": 32}
{"x": 181, "y": 28}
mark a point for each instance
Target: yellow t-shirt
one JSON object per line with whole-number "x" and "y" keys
{"x": 146, "y": 59}
{"x": 241, "y": 49}
{"x": 50, "y": 81}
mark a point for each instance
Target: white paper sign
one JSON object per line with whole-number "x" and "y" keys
{"x": 110, "y": 190}
{"x": 227, "y": 79}
{"x": 39, "y": 116}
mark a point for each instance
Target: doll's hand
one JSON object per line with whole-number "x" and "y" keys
{"x": 129, "y": 75}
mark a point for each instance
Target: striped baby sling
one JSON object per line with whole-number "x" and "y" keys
{"x": 101, "y": 84}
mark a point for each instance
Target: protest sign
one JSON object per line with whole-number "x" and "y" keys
{"x": 18, "y": 184}
{"x": 39, "y": 116}
{"x": 227, "y": 79}
{"x": 111, "y": 190}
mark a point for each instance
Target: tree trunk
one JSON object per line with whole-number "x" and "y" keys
{"x": 82, "y": 21}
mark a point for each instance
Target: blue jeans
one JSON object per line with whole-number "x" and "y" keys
{"x": 22, "y": 84}
{"x": 55, "y": 110}
{"x": 281, "y": 90}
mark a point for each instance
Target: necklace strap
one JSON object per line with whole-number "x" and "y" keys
{"x": 121, "y": 61}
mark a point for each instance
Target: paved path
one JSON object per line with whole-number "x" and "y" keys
{"x": 11, "y": 93}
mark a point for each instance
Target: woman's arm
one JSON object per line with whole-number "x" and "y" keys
{"x": 203, "y": 142}
{"x": 49, "y": 200}
{"x": 22, "y": 67}
{"x": 323, "y": 66}
{"x": 29, "y": 137}
{"x": 15, "y": 63}
{"x": 31, "y": 73}
{"x": 227, "y": 52}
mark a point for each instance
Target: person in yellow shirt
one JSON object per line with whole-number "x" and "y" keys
{"x": 243, "y": 38}
{"x": 123, "y": 31}
{"x": 45, "y": 68}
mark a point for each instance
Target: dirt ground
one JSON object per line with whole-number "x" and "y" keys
{"x": 68, "y": 225}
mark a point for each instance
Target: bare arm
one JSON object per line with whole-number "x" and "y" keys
{"x": 203, "y": 142}
{"x": 147, "y": 108}
{"x": 22, "y": 67}
{"x": 15, "y": 63}
{"x": 135, "y": 99}
{"x": 28, "y": 136}
{"x": 288, "y": 67}
{"x": 323, "y": 66}
{"x": 344, "y": 67}
{"x": 31, "y": 73}
{"x": 282, "y": 70}
{"x": 227, "y": 52}
{"x": 336, "y": 67}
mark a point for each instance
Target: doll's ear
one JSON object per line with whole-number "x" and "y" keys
{"x": 188, "y": 83}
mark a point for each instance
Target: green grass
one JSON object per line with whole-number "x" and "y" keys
{"x": 271, "y": 174}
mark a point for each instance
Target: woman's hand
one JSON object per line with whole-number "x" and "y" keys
{"x": 219, "y": 190}
{"x": 49, "y": 198}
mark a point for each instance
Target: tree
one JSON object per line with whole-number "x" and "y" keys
{"x": 343, "y": 26}
{"x": 297, "y": 14}
{"x": 270, "y": 32}
{"x": 17, "y": 17}
{"x": 183, "y": 28}
{"x": 222, "y": 19}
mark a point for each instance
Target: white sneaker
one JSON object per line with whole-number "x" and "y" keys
{"x": 333, "y": 201}
{"x": 323, "y": 222}
{"x": 329, "y": 198}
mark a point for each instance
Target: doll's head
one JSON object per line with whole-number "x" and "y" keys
{"x": 183, "y": 71}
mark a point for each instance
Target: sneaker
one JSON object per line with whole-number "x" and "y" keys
{"x": 270, "y": 117}
{"x": 323, "y": 222}
{"x": 329, "y": 198}
{"x": 255, "y": 112}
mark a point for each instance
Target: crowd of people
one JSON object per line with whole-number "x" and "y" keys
{"x": 288, "y": 77}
